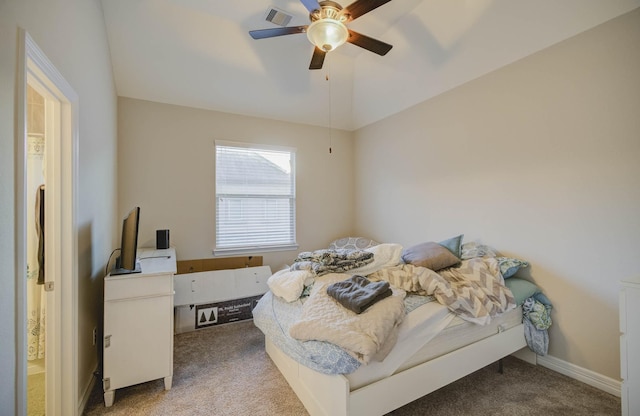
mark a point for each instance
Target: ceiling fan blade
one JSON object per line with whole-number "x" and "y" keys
{"x": 311, "y": 5}
{"x": 368, "y": 43}
{"x": 360, "y": 7}
{"x": 277, "y": 31}
{"x": 317, "y": 59}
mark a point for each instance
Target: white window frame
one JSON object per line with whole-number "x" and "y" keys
{"x": 267, "y": 246}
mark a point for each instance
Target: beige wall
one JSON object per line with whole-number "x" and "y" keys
{"x": 538, "y": 159}
{"x": 166, "y": 166}
{"x": 72, "y": 35}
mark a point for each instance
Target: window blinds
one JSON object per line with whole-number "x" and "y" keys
{"x": 255, "y": 197}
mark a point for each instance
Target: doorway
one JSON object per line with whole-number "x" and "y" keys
{"x": 57, "y": 345}
{"x": 36, "y": 295}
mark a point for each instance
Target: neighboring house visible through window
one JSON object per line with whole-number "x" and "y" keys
{"x": 255, "y": 198}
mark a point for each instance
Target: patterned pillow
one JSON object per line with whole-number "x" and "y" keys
{"x": 509, "y": 266}
{"x": 474, "y": 249}
{"x": 352, "y": 243}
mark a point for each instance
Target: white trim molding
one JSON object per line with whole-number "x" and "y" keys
{"x": 589, "y": 377}
{"x": 61, "y": 109}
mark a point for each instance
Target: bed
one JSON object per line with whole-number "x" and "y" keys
{"x": 432, "y": 346}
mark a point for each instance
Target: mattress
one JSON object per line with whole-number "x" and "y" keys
{"x": 457, "y": 334}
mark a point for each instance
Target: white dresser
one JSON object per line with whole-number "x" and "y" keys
{"x": 138, "y": 324}
{"x": 630, "y": 346}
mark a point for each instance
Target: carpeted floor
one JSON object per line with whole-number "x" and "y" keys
{"x": 35, "y": 395}
{"x": 225, "y": 371}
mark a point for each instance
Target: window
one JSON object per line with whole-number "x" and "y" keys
{"x": 255, "y": 198}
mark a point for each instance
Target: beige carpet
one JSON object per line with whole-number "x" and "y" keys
{"x": 35, "y": 395}
{"x": 225, "y": 371}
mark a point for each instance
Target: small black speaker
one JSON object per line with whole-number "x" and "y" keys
{"x": 162, "y": 239}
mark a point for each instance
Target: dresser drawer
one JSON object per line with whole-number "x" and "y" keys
{"x": 127, "y": 287}
{"x": 629, "y": 346}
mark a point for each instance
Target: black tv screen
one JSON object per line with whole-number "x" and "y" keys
{"x": 126, "y": 263}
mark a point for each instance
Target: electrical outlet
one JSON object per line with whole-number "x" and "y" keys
{"x": 95, "y": 336}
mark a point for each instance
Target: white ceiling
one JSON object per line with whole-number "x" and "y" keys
{"x": 198, "y": 53}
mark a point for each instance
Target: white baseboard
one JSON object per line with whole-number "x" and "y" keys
{"x": 589, "y": 377}
{"x": 86, "y": 394}
{"x": 525, "y": 354}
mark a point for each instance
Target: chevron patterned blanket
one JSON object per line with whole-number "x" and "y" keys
{"x": 474, "y": 290}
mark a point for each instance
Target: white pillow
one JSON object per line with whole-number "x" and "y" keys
{"x": 384, "y": 255}
{"x": 289, "y": 284}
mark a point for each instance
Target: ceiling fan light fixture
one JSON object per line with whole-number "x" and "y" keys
{"x": 327, "y": 34}
{"x": 328, "y": 28}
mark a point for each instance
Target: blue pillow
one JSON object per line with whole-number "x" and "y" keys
{"x": 453, "y": 244}
{"x": 521, "y": 289}
{"x": 509, "y": 266}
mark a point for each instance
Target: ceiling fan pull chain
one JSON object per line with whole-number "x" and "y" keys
{"x": 326, "y": 77}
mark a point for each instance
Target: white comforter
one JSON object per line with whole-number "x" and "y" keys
{"x": 364, "y": 336}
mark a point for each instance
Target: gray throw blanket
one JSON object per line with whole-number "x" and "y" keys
{"x": 331, "y": 261}
{"x": 357, "y": 293}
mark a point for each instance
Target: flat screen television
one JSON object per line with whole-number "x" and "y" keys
{"x": 127, "y": 263}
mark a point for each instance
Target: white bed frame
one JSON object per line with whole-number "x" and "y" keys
{"x": 330, "y": 395}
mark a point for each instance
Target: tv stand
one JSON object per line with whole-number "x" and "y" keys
{"x": 138, "y": 324}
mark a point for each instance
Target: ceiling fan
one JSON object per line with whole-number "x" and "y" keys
{"x": 328, "y": 29}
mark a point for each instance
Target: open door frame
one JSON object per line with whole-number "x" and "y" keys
{"x": 61, "y": 108}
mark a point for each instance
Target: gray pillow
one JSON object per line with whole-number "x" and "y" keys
{"x": 430, "y": 255}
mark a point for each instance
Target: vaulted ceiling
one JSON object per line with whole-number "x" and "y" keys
{"x": 198, "y": 53}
